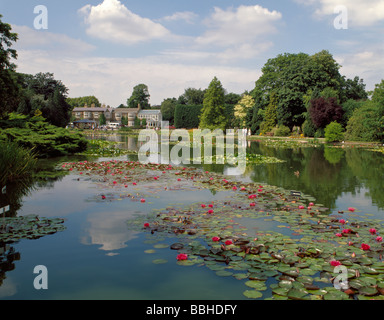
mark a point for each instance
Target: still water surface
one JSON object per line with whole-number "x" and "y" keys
{"x": 98, "y": 257}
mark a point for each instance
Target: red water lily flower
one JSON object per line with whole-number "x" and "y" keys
{"x": 228, "y": 242}
{"x": 372, "y": 231}
{"x": 335, "y": 263}
{"x": 347, "y": 231}
{"x": 182, "y": 256}
{"x": 203, "y": 205}
{"x": 311, "y": 204}
{"x": 210, "y": 211}
{"x": 215, "y": 239}
{"x": 103, "y": 197}
{"x": 342, "y": 221}
{"x": 252, "y": 204}
{"x": 365, "y": 246}
{"x": 338, "y": 235}
{"x": 210, "y": 205}
{"x": 351, "y": 209}
{"x": 379, "y": 239}
{"x": 301, "y": 207}
{"x": 146, "y": 225}
{"x": 142, "y": 200}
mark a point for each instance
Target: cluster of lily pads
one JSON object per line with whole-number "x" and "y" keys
{"x": 13, "y": 229}
{"x": 310, "y": 254}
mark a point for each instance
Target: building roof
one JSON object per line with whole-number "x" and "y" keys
{"x": 150, "y": 111}
{"x": 82, "y": 109}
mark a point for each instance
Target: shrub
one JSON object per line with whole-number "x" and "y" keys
{"x": 334, "y": 132}
{"x": 187, "y": 116}
{"x": 309, "y": 128}
{"x": 281, "y": 131}
{"x": 364, "y": 124}
{"x": 47, "y": 140}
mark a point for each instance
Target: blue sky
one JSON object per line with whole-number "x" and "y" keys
{"x": 106, "y": 47}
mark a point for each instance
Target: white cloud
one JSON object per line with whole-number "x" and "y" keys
{"x": 360, "y": 13}
{"x": 112, "y": 21}
{"x": 186, "y": 16}
{"x": 111, "y": 80}
{"x": 244, "y": 24}
{"x": 56, "y": 43}
{"x": 367, "y": 64}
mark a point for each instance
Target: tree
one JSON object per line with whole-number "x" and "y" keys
{"x": 291, "y": 76}
{"x": 192, "y": 96}
{"x": 353, "y": 89}
{"x": 241, "y": 109}
{"x": 102, "y": 119}
{"x": 168, "y": 109}
{"x": 140, "y": 96}
{"x": 43, "y": 92}
{"x": 213, "y": 112}
{"x": 270, "y": 116}
{"x": 9, "y": 89}
{"x": 325, "y": 110}
{"x": 82, "y": 101}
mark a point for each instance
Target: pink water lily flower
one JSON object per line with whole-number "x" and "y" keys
{"x": 335, "y": 263}
{"x": 210, "y": 211}
{"x": 301, "y": 207}
{"x": 182, "y": 256}
{"x": 342, "y": 221}
{"x": 351, "y": 209}
{"x": 379, "y": 239}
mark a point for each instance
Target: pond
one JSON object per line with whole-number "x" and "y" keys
{"x": 120, "y": 223}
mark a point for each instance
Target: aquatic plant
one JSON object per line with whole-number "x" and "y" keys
{"x": 296, "y": 259}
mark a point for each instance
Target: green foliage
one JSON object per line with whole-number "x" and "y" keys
{"x": 9, "y": 89}
{"x": 102, "y": 119}
{"x": 291, "y": 76}
{"x": 187, "y": 116}
{"x": 168, "y": 109}
{"x": 82, "y": 101}
{"x": 140, "y": 96}
{"x": 349, "y": 107}
{"x": 309, "y": 128}
{"x": 281, "y": 131}
{"x": 213, "y": 112}
{"x": 270, "y": 116}
{"x": 15, "y": 162}
{"x": 46, "y": 139}
{"x": 124, "y": 120}
{"x": 364, "y": 124}
{"x": 334, "y": 132}
{"x": 192, "y": 96}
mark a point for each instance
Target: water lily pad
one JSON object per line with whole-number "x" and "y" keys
{"x": 159, "y": 261}
{"x": 223, "y": 273}
{"x": 252, "y": 294}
